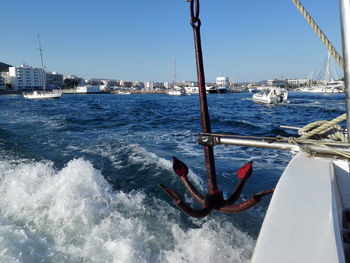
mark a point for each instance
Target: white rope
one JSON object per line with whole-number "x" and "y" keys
{"x": 324, "y": 129}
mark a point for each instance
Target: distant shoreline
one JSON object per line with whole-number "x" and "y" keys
{"x": 13, "y": 92}
{"x": 10, "y": 92}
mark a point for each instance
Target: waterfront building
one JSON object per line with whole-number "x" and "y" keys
{"x": 168, "y": 85}
{"x": 159, "y": 85}
{"x": 149, "y": 85}
{"x": 72, "y": 81}
{"x": 189, "y": 83}
{"x": 126, "y": 84}
{"x": 298, "y": 82}
{"x": 2, "y": 82}
{"x": 105, "y": 88}
{"x": 293, "y": 82}
{"x": 6, "y": 77}
{"x": 89, "y": 89}
{"x": 138, "y": 85}
{"x": 54, "y": 80}
{"x": 222, "y": 81}
{"x": 276, "y": 82}
{"x": 26, "y": 77}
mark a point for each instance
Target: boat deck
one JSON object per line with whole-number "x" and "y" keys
{"x": 304, "y": 222}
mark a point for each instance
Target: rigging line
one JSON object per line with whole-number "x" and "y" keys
{"x": 43, "y": 77}
{"x": 304, "y": 146}
{"x": 319, "y": 32}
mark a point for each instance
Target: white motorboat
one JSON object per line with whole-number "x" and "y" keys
{"x": 192, "y": 90}
{"x": 271, "y": 95}
{"x": 217, "y": 89}
{"x": 176, "y": 92}
{"x": 43, "y": 94}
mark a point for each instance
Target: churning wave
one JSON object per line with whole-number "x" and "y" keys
{"x": 73, "y": 215}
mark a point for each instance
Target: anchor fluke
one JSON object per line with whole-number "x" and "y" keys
{"x": 182, "y": 205}
{"x": 181, "y": 169}
{"x": 214, "y": 200}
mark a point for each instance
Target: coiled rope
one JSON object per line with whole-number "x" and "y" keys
{"x": 324, "y": 129}
{"x": 314, "y": 132}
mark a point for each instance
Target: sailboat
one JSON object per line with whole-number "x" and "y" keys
{"x": 326, "y": 85}
{"x": 176, "y": 91}
{"x": 44, "y": 93}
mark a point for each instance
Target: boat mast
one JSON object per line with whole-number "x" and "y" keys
{"x": 311, "y": 77}
{"x": 174, "y": 69}
{"x": 327, "y": 68}
{"x": 42, "y": 65}
{"x": 345, "y": 32}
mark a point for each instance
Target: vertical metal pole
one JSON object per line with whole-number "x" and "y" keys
{"x": 174, "y": 69}
{"x": 43, "y": 77}
{"x": 345, "y": 32}
{"x": 205, "y": 120}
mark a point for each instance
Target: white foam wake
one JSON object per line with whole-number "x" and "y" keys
{"x": 72, "y": 215}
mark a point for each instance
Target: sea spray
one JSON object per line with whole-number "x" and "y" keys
{"x": 72, "y": 215}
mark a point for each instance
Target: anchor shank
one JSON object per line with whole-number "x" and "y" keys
{"x": 205, "y": 119}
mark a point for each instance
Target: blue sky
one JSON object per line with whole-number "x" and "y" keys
{"x": 247, "y": 40}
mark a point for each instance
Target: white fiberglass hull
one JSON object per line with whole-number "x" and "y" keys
{"x": 262, "y": 99}
{"x": 36, "y": 95}
{"x": 271, "y": 96}
{"x": 175, "y": 93}
{"x": 304, "y": 220}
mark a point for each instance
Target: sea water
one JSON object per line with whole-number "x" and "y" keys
{"x": 79, "y": 175}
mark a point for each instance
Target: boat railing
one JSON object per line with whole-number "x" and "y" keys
{"x": 313, "y": 147}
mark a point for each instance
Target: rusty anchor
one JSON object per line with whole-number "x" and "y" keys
{"x": 214, "y": 199}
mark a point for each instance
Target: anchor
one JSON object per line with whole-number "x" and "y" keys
{"x": 214, "y": 199}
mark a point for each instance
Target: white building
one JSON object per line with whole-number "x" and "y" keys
{"x": 222, "y": 81}
{"x": 105, "y": 88}
{"x": 189, "y": 83}
{"x": 298, "y": 81}
{"x": 138, "y": 85}
{"x": 149, "y": 85}
{"x": 54, "y": 80}
{"x": 22, "y": 77}
{"x": 25, "y": 77}
{"x": 88, "y": 89}
{"x": 168, "y": 85}
{"x": 124, "y": 83}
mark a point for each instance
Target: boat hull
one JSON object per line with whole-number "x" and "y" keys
{"x": 304, "y": 220}
{"x": 273, "y": 96}
{"x": 43, "y": 95}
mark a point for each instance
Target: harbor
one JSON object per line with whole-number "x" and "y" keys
{"x": 101, "y": 158}
{"x": 215, "y": 145}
